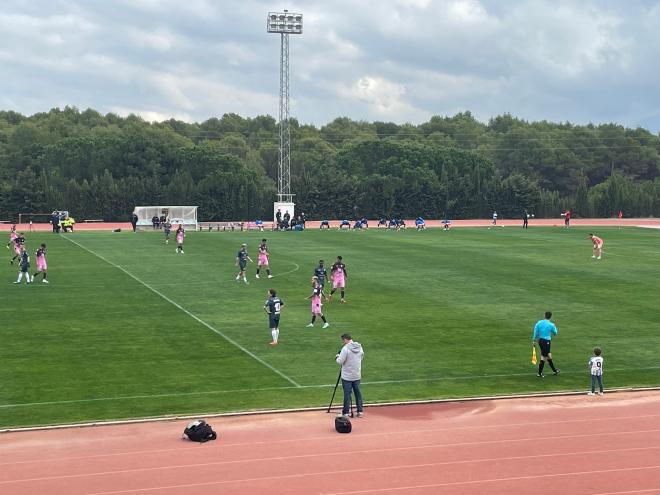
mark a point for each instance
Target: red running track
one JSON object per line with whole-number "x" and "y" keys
{"x": 538, "y": 222}
{"x": 564, "y": 445}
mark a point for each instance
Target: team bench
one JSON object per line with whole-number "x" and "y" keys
{"x": 233, "y": 226}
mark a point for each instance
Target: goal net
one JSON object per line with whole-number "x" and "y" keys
{"x": 177, "y": 215}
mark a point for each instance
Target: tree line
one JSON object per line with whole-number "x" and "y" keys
{"x": 101, "y": 166}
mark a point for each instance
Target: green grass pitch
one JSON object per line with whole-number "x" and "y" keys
{"x": 128, "y": 329}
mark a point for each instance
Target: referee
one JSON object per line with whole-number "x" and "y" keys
{"x": 544, "y": 331}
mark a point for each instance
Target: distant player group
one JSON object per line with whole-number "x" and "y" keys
{"x": 23, "y": 256}
{"x": 274, "y": 304}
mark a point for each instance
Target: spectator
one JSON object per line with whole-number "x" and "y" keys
{"x": 55, "y": 220}
{"x": 134, "y": 221}
{"x": 350, "y": 359}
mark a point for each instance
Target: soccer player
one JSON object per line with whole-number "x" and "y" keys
{"x": 19, "y": 242}
{"x": 567, "y": 218}
{"x": 597, "y": 246}
{"x": 596, "y": 367}
{"x": 325, "y": 224}
{"x": 241, "y": 262}
{"x": 24, "y": 266}
{"x": 263, "y": 258}
{"x": 420, "y": 224}
{"x": 543, "y": 331}
{"x": 167, "y": 228}
{"x": 42, "y": 266}
{"x": 344, "y": 223}
{"x": 382, "y": 221}
{"x": 401, "y": 224}
{"x": 321, "y": 274}
{"x": 315, "y": 296}
{"x": 338, "y": 275}
{"x": 525, "y": 219}
{"x": 273, "y": 307}
{"x": 494, "y": 218}
{"x": 180, "y": 235}
{"x": 12, "y": 236}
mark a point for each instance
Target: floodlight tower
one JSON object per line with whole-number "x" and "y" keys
{"x": 284, "y": 23}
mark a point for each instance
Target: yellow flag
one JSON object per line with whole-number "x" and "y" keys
{"x": 534, "y": 354}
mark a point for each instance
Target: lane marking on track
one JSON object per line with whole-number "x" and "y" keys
{"x": 458, "y": 483}
{"x": 298, "y": 386}
{"x": 326, "y": 454}
{"x": 650, "y": 490}
{"x": 193, "y": 316}
{"x": 333, "y": 437}
{"x": 389, "y": 489}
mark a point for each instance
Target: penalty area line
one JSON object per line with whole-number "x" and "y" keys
{"x": 193, "y": 316}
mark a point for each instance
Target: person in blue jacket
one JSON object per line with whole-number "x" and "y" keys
{"x": 544, "y": 330}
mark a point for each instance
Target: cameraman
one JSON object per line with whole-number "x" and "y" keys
{"x": 350, "y": 358}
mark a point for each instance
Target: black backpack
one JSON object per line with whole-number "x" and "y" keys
{"x": 199, "y": 431}
{"x": 343, "y": 424}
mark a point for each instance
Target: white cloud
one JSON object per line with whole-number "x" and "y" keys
{"x": 151, "y": 115}
{"x": 400, "y": 60}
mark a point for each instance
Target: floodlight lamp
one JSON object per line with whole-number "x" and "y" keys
{"x": 284, "y": 22}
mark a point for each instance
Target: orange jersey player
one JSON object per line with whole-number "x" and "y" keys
{"x": 597, "y": 246}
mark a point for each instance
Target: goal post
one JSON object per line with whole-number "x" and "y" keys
{"x": 177, "y": 215}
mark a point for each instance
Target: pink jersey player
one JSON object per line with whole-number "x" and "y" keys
{"x": 315, "y": 296}
{"x": 338, "y": 274}
{"x": 41, "y": 259}
{"x": 42, "y": 266}
{"x": 19, "y": 242}
{"x": 316, "y": 300}
{"x": 263, "y": 259}
{"x": 180, "y": 235}
{"x": 263, "y": 255}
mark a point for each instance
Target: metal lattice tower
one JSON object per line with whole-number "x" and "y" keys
{"x": 284, "y": 23}
{"x": 284, "y": 168}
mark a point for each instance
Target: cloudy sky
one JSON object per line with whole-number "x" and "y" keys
{"x": 390, "y": 60}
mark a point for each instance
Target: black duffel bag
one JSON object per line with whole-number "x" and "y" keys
{"x": 343, "y": 424}
{"x": 199, "y": 431}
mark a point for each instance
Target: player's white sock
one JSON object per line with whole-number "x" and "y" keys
{"x": 274, "y": 334}
{"x": 237, "y": 277}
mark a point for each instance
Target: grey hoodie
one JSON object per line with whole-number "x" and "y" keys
{"x": 350, "y": 359}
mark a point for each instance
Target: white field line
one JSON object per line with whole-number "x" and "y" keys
{"x": 327, "y": 385}
{"x": 261, "y": 412}
{"x": 193, "y": 316}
